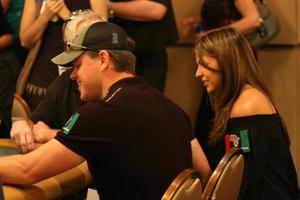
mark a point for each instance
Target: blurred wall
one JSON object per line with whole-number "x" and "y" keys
{"x": 280, "y": 63}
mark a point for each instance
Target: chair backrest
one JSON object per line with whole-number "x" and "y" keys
{"x": 27, "y": 67}
{"x": 20, "y": 108}
{"x": 225, "y": 181}
{"x": 186, "y": 186}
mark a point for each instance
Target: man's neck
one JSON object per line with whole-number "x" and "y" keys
{"x": 113, "y": 80}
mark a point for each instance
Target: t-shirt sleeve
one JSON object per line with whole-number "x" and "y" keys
{"x": 87, "y": 132}
{"x": 190, "y": 131}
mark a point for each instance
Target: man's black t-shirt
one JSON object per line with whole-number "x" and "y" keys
{"x": 136, "y": 141}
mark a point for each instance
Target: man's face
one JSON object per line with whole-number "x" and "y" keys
{"x": 87, "y": 73}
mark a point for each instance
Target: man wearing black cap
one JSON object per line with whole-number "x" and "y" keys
{"x": 134, "y": 139}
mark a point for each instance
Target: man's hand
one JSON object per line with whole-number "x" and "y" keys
{"x": 43, "y": 133}
{"x": 21, "y": 133}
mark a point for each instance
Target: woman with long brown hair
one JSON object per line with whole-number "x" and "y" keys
{"x": 245, "y": 116}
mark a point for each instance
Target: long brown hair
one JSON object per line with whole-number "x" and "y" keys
{"x": 238, "y": 67}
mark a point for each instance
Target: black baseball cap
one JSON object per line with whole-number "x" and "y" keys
{"x": 95, "y": 37}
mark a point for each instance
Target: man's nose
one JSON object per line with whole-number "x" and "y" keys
{"x": 73, "y": 74}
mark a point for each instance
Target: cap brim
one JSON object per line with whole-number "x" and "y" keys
{"x": 66, "y": 57}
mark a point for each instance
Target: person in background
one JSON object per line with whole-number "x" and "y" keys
{"x": 61, "y": 99}
{"x": 123, "y": 130}
{"x": 151, "y": 24}
{"x": 245, "y": 116}
{"x": 13, "y": 10}
{"x": 9, "y": 67}
{"x": 240, "y": 14}
{"x": 43, "y": 20}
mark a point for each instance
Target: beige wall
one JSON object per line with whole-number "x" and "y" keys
{"x": 281, "y": 69}
{"x": 280, "y": 66}
{"x": 181, "y": 85}
{"x": 286, "y": 11}
{"x": 298, "y": 21}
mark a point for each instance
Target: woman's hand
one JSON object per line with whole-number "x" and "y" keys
{"x": 52, "y": 7}
{"x": 189, "y": 25}
{"x": 64, "y": 12}
{"x": 198, "y": 35}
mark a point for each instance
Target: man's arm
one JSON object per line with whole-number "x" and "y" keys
{"x": 141, "y": 10}
{"x": 200, "y": 162}
{"x": 44, "y": 162}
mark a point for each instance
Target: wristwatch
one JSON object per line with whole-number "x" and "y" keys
{"x": 109, "y": 9}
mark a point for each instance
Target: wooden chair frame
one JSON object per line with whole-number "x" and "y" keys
{"x": 210, "y": 186}
{"x": 179, "y": 181}
{"x": 23, "y": 104}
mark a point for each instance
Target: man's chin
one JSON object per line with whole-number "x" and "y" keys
{"x": 85, "y": 98}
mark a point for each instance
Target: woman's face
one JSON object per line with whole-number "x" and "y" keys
{"x": 209, "y": 73}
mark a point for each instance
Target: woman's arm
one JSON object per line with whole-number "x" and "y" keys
{"x": 64, "y": 12}
{"x": 250, "y": 16}
{"x": 99, "y": 7}
{"x": 33, "y": 24}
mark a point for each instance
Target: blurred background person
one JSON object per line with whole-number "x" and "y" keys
{"x": 240, "y": 14}
{"x": 151, "y": 24}
{"x": 43, "y": 20}
{"x": 9, "y": 67}
{"x": 13, "y": 12}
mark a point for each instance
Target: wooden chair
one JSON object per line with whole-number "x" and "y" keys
{"x": 225, "y": 181}
{"x": 27, "y": 67}
{"x": 186, "y": 186}
{"x": 20, "y": 108}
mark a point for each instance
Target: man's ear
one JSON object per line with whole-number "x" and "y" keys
{"x": 105, "y": 59}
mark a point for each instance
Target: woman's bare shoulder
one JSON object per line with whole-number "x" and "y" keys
{"x": 252, "y": 102}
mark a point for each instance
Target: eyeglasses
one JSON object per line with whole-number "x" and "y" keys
{"x": 76, "y": 47}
